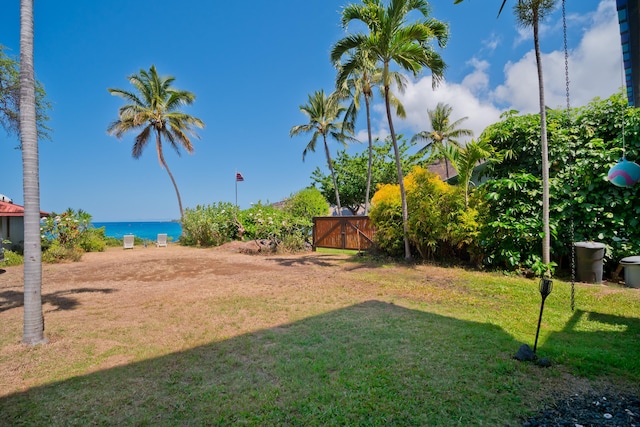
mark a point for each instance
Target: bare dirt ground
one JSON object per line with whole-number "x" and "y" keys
{"x": 138, "y": 296}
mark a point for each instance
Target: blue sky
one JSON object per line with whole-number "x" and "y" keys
{"x": 251, "y": 65}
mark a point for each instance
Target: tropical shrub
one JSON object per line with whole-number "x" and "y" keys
{"x": 56, "y": 252}
{"x": 210, "y": 225}
{"x": 67, "y": 235}
{"x": 439, "y": 226}
{"x": 386, "y": 217}
{"x": 11, "y": 258}
{"x": 307, "y": 203}
{"x": 93, "y": 240}
{"x": 276, "y": 225}
{"x": 584, "y": 206}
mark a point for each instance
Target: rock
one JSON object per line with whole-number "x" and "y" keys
{"x": 525, "y": 354}
{"x": 544, "y": 362}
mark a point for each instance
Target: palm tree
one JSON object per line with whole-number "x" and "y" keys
{"x": 464, "y": 161}
{"x": 356, "y": 79}
{"x": 529, "y": 14}
{"x": 443, "y": 132}
{"x": 324, "y": 114}
{"x": 33, "y": 331}
{"x": 392, "y": 39}
{"x": 155, "y": 108}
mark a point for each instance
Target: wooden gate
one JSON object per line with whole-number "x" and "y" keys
{"x": 342, "y": 232}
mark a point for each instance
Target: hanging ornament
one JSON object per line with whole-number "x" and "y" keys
{"x": 624, "y": 173}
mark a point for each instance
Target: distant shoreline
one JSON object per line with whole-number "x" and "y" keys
{"x": 147, "y": 230}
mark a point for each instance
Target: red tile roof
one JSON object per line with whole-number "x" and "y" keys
{"x": 10, "y": 209}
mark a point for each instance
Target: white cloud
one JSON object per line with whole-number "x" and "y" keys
{"x": 592, "y": 63}
{"x": 591, "y": 67}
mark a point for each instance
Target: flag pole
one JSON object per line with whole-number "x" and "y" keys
{"x": 236, "y": 179}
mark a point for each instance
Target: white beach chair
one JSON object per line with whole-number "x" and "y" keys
{"x": 128, "y": 241}
{"x": 162, "y": 240}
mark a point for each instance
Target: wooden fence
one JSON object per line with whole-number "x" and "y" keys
{"x": 342, "y": 232}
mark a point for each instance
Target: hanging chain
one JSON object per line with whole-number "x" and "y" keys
{"x": 572, "y": 156}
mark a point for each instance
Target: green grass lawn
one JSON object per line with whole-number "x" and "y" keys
{"x": 402, "y": 345}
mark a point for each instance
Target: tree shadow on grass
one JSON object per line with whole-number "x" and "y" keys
{"x": 588, "y": 338}
{"x": 315, "y": 259}
{"x": 372, "y": 363}
{"x": 62, "y": 300}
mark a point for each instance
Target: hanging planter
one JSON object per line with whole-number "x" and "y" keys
{"x": 624, "y": 173}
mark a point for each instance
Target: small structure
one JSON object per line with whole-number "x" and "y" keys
{"x": 12, "y": 222}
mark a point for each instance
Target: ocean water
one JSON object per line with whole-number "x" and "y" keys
{"x": 144, "y": 230}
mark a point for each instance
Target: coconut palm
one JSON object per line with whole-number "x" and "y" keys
{"x": 443, "y": 132}
{"x": 154, "y": 109}
{"x": 324, "y": 114}
{"x": 391, "y": 39}
{"x": 33, "y": 331}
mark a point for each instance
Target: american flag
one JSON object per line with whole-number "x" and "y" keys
{"x": 239, "y": 177}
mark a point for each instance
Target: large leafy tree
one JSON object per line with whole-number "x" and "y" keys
{"x": 443, "y": 132}
{"x": 154, "y": 109}
{"x": 350, "y": 173}
{"x": 33, "y": 332}
{"x": 391, "y": 39}
{"x": 324, "y": 114}
{"x": 10, "y": 99}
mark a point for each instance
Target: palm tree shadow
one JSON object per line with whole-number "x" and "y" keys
{"x": 62, "y": 300}
{"x": 324, "y": 261}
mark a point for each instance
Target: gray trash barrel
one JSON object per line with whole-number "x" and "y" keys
{"x": 589, "y": 256}
{"x": 631, "y": 266}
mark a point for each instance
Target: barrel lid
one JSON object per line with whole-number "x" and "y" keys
{"x": 590, "y": 245}
{"x": 630, "y": 260}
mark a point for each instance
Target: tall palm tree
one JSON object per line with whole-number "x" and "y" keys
{"x": 324, "y": 114}
{"x": 33, "y": 330}
{"x": 392, "y": 40}
{"x": 356, "y": 79}
{"x": 529, "y": 14}
{"x": 155, "y": 109}
{"x": 443, "y": 132}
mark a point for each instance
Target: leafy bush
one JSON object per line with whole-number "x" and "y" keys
{"x": 439, "y": 226}
{"x": 307, "y": 204}
{"x": 210, "y": 225}
{"x": 11, "y": 258}
{"x": 276, "y": 225}
{"x": 68, "y": 235}
{"x": 386, "y": 217}
{"x": 93, "y": 240}
{"x": 581, "y": 152}
{"x": 56, "y": 253}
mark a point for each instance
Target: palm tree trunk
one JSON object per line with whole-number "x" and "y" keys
{"x": 546, "y": 239}
{"x": 446, "y": 167}
{"x": 366, "y": 200}
{"x": 333, "y": 173}
{"x": 33, "y": 332}
{"x": 403, "y": 196}
{"x": 164, "y": 165}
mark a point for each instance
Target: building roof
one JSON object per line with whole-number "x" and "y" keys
{"x": 11, "y": 209}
